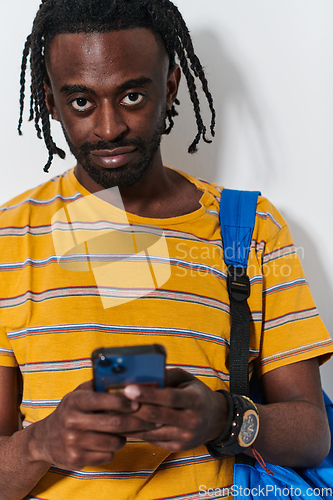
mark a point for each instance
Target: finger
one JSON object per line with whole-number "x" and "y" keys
{"x": 168, "y": 437}
{"x": 163, "y": 415}
{"x": 170, "y": 397}
{"x": 97, "y": 441}
{"x": 91, "y": 401}
{"x": 115, "y": 423}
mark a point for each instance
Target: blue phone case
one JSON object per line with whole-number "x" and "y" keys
{"x": 114, "y": 368}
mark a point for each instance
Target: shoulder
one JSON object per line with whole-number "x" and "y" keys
{"x": 271, "y": 235}
{"x": 49, "y": 197}
{"x": 269, "y": 221}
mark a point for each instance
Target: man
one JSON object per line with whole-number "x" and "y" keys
{"x": 106, "y": 70}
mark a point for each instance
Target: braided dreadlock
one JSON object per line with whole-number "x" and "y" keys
{"x": 85, "y": 16}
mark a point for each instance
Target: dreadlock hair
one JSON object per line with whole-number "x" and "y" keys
{"x": 86, "y": 16}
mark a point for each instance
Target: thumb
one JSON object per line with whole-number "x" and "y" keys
{"x": 175, "y": 377}
{"x": 86, "y": 386}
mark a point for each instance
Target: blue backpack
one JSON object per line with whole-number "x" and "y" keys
{"x": 237, "y": 217}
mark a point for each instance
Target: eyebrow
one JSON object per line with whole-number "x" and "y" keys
{"x": 71, "y": 89}
{"x": 137, "y": 82}
{"x": 129, "y": 84}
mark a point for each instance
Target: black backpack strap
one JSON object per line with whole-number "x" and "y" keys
{"x": 237, "y": 217}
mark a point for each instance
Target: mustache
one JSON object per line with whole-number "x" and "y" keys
{"x": 87, "y": 147}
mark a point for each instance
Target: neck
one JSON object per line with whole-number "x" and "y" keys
{"x": 154, "y": 183}
{"x": 161, "y": 193}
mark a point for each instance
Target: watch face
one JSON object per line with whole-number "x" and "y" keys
{"x": 249, "y": 429}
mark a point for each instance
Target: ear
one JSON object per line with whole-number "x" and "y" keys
{"x": 172, "y": 85}
{"x": 49, "y": 101}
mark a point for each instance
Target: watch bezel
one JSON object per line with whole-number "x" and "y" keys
{"x": 246, "y": 415}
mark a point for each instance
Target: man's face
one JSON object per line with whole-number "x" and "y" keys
{"x": 110, "y": 91}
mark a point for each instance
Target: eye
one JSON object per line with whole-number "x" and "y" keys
{"x": 133, "y": 98}
{"x": 81, "y": 104}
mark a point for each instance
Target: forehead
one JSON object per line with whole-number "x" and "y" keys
{"x": 114, "y": 55}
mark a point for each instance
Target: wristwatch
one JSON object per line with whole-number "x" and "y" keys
{"x": 241, "y": 429}
{"x": 250, "y": 426}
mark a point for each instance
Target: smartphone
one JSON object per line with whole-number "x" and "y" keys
{"x": 116, "y": 367}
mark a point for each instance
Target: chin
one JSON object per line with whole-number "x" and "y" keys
{"x": 122, "y": 177}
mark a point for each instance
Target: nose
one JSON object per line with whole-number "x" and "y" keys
{"x": 109, "y": 122}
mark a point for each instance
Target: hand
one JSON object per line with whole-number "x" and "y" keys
{"x": 187, "y": 413}
{"x": 75, "y": 436}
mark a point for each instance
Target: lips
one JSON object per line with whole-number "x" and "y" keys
{"x": 113, "y": 158}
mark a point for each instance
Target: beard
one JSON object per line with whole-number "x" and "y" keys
{"x": 124, "y": 176}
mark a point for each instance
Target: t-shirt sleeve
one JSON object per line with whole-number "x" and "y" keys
{"x": 291, "y": 328}
{"x": 7, "y": 255}
{"x": 7, "y": 357}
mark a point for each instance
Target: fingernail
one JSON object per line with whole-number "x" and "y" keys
{"x": 132, "y": 391}
{"x": 135, "y": 406}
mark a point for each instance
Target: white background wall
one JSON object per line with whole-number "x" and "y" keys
{"x": 270, "y": 67}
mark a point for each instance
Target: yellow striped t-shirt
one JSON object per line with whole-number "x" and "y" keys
{"x": 58, "y": 303}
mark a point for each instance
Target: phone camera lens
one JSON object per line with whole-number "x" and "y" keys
{"x": 103, "y": 361}
{"x": 119, "y": 366}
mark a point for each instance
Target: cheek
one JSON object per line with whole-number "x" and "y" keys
{"x": 77, "y": 131}
{"x": 151, "y": 120}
